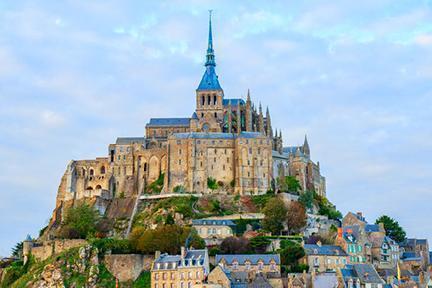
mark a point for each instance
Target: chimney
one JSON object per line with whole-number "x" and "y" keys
{"x": 360, "y": 215}
{"x": 339, "y": 232}
{"x": 157, "y": 254}
{"x": 183, "y": 252}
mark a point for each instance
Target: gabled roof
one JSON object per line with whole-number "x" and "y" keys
{"x": 253, "y": 258}
{"x": 365, "y": 272}
{"x": 192, "y": 258}
{"x": 216, "y": 135}
{"x": 130, "y": 140}
{"x": 330, "y": 250}
{"x": 157, "y": 122}
{"x": 233, "y": 102}
{"x": 372, "y": 228}
{"x": 213, "y": 222}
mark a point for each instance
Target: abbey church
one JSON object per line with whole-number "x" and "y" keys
{"x": 226, "y": 146}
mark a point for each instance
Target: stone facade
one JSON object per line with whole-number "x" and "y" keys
{"x": 186, "y": 270}
{"x": 46, "y": 249}
{"x": 251, "y": 263}
{"x": 324, "y": 258}
{"x": 230, "y": 141}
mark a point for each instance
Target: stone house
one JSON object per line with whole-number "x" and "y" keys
{"x": 420, "y": 248}
{"x": 324, "y": 258}
{"x": 214, "y": 231}
{"x": 354, "y": 244}
{"x": 256, "y": 263}
{"x": 385, "y": 252}
{"x": 189, "y": 268}
{"x": 360, "y": 276}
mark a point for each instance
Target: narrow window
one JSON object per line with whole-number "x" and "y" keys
{"x": 91, "y": 172}
{"x": 208, "y": 100}
{"x": 102, "y": 170}
{"x": 145, "y": 167}
{"x": 202, "y": 100}
{"x": 179, "y": 161}
{"x": 215, "y": 115}
{"x": 214, "y": 100}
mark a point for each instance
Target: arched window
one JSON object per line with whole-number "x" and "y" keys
{"x": 91, "y": 172}
{"x": 83, "y": 172}
{"x": 102, "y": 170}
{"x": 145, "y": 167}
{"x": 89, "y": 188}
{"x": 202, "y": 100}
{"x": 208, "y": 99}
{"x": 98, "y": 187}
{"x": 214, "y": 100}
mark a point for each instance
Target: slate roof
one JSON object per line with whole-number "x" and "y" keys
{"x": 291, "y": 150}
{"x": 253, "y": 258}
{"x": 216, "y": 135}
{"x": 160, "y": 122}
{"x": 430, "y": 258}
{"x": 410, "y": 256}
{"x": 213, "y": 222}
{"x": 330, "y": 250}
{"x": 234, "y": 102}
{"x": 365, "y": 272}
{"x": 130, "y": 140}
{"x": 372, "y": 228}
{"x": 325, "y": 280}
{"x": 210, "y": 80}
{"x": 192, "y": 258}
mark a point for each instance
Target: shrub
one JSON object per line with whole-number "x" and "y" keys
{"x": 179, "y": 189}
{"x": 116, "y": 246}
{"x": 156, "y": 186}
{"x": 80, "y": 222}
{"x": 211, "y": 183}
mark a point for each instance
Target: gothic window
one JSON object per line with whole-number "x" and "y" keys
{"x": 102, "y": 170}
{"x": 83, "y": 172}
{"x": 89, "y": 188}
{"x": 98, "y": 187}
{"x": 208, "y": 100}
{"x": 214, "y": 100}
{"x": 202, "y": 100}
{"x": 145, "y": 167}
{"x": 215, "y": 115}
{"x": 91, "y": 172}
{"x": 201, "y": 163}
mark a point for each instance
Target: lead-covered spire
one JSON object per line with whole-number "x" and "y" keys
{"x": 210, "y": 58}
{"x": 210, "y": 80}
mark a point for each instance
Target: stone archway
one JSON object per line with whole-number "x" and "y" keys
{"x": 154, "y": 168}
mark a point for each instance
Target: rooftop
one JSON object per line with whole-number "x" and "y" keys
{"x": 130, "y": 140}
{"x": 330, "y": 250}
{"x": 213, "y": 222}
{"x": 253, "y": 258}
{"x": 158, "y": 122}
{"x": 216, "y": 135}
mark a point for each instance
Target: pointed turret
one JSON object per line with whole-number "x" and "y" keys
{"x": 306, "y": 149}
{"x": 248, "y": 112}
{"x": 210, "y": 80}
{"x": 261, "y": 120}
{"x": 269, "y": 130}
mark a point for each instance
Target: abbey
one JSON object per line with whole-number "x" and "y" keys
{"x": 226, "y": 146}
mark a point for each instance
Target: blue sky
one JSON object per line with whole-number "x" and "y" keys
{"x": 356, "y": 76}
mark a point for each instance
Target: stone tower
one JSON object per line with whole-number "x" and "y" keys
{"x": 209, "y": 94}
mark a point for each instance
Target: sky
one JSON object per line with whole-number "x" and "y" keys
{"x": 355, "y": 76}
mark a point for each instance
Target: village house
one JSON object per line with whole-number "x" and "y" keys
{"x": 189, "y": 268}
{"x": 213, "y": 231}
{"x": 324, "y": 258}
{"x": 360, "y": 276}
{"x": 257, "y": 263}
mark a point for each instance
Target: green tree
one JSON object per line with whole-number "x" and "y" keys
{"x": 17, "y": 250}
{"x": 291, "y": 253}
{"x": 80, "y": 222}
{"x": 289, "y": 184}
{"x": 165, "y": 238}
{"x": 212, "y": 183}
{"x": 274, "y": 216}
{"x": 307, "y": 199}
{"x": 392, "y": 228}
{"x": 259, "y": 244}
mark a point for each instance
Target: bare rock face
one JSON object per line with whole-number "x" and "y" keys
{"x": 51, "y": 277}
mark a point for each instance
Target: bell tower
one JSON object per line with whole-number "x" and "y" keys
{"x": 209, "y": 94}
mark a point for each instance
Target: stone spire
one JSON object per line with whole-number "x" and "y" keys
{"x": 248, "y": 112}
{"x": 269, "y": 130}
{"x": 260, "y": 120}
{"x": 306, "y": 149}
